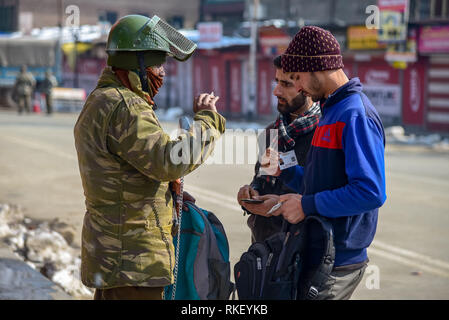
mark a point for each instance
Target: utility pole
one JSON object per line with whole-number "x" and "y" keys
{"x": 75, "y": 71}
{"x": 332, "y": 9}
{"x": 287, "y": 10}
{"x": 252, "y": 62}
{"x": 58, "y": 55}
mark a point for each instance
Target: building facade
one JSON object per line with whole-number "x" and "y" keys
{"x": 22, "y": 15}
{"x": 413, "y": 93}
{"x": 229, "y": 12}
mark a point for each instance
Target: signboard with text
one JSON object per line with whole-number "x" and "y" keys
{"x": 393, "y": 20}
{"x": 210, "y": 31}
{"x": 434, "y": 39}
{"x": 405, "y": 52}
{"x": 381, "y": 85}
{"x": 414, "y": 86}
{"x": 273, "y": 41}
{"x": 362, "y": 38}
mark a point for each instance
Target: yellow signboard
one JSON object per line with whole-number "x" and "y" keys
{"x": 362, "y": 38}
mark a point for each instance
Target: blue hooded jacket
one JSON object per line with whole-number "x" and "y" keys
{"x": 344, "y": 175}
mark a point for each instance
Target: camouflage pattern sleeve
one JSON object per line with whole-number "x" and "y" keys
{"x": 136, "y": 136}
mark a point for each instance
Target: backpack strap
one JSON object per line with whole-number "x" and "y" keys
{"x": 318, "y": 278}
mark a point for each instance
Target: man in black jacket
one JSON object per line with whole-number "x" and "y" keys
{"x": 296, "y": 123}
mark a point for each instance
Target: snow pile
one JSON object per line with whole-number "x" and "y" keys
{"x": 396, "y": 134}
{"x": 45, "y": 246}
{"x": 17, "y": 283}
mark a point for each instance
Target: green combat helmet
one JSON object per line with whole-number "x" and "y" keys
{"x": 133, "y": 34}
{"x": 136, "y": 42}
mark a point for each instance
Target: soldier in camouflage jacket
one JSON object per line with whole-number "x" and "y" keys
{"x": 126, "y": 164}
{"x": 24, "y": 89}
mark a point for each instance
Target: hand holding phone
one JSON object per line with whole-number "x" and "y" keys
{"x": 253, "y": 201}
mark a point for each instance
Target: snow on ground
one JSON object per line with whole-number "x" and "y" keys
{"x": 396, "y": 134}
{"x": 46, "y": 247}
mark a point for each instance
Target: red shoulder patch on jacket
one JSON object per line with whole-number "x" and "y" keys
{"x": 329, "y": 136}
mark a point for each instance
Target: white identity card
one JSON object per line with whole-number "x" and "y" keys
{"x": 287, "y": 159}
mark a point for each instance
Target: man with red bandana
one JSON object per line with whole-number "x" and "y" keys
{"x": 127, "y": 161}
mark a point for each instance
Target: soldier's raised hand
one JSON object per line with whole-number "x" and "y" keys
{"x": 205, "y": 101}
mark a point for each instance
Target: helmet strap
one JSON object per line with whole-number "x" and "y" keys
{"x": 142, "y": 71}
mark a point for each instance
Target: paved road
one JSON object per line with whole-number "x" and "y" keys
{"x": 409, "y": 257}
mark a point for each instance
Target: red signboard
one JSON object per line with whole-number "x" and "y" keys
{"x": 381, "y": 85}
{"x": 393, "y": 5}
{"x": 273, "y": 41}
{"x": 377, "y": 74}
{"x": 413, "y": 94}
{"x": 210, "y": 31}
{"x": 200, "y": 75}
{"x": 235, "y": 86}
{"x": 434, "y": 39}
{"x": 265, "y": 76}
{"x": 217, "y": 79}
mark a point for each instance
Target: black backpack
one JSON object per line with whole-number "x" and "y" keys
{"x": 279, "y": 268}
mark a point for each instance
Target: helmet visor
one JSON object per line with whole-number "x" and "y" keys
{"x": 180, "y": 47}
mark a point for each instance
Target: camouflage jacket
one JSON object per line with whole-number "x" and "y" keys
{"x": 125, "y": 166}
{"x": 24, "y": 84}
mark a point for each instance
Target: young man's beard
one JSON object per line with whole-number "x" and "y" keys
{"x": 292, "y": 106}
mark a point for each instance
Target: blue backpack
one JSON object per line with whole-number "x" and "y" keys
{"x": 203, "y": 268}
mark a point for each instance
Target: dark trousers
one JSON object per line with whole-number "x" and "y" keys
{"x": 49, "y": 103}
{"x": 130, "y": 293}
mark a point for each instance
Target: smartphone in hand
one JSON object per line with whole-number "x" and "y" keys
{"x": 252, "y": 201}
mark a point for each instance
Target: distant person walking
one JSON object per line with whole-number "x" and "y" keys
{"x": 47, "y": 88}
{"x": 23, "y": 89}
